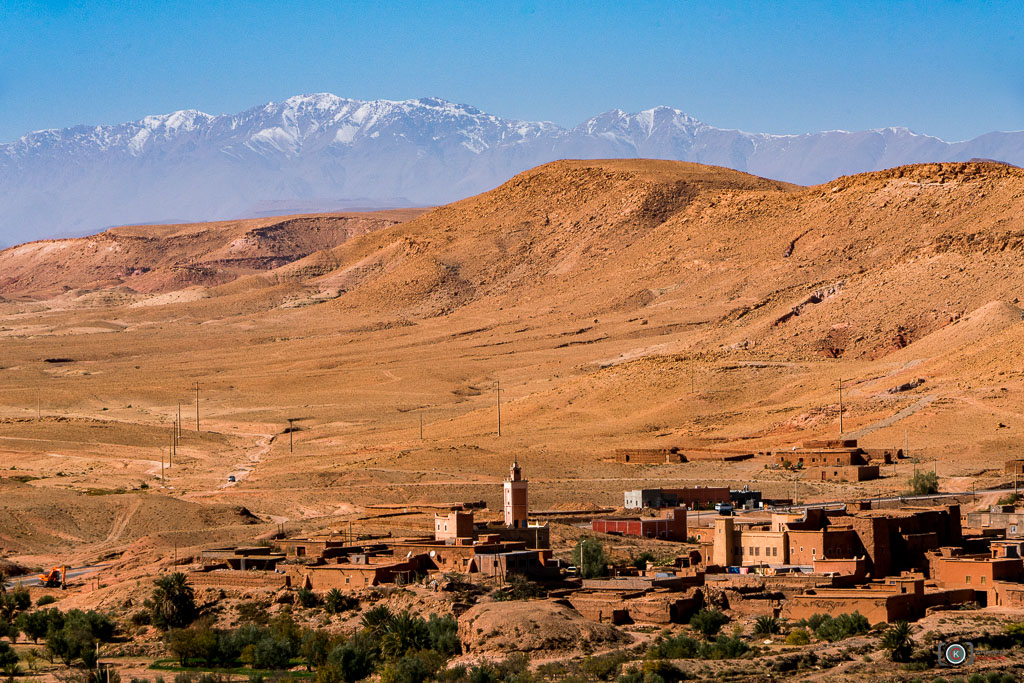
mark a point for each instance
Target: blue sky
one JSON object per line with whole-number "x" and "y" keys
{"x": 954, "y": 70}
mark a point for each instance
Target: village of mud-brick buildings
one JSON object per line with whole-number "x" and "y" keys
{"x": 888, "y": 559}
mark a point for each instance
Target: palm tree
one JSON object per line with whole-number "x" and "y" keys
{"x": 173, "y": 603}
{"x": 898, "y": 642}
{"x": 333, "y": 601}
{"x": 766, "y": 625}
{"x": 377, "y": 619}
{"x": 404, "y": 632}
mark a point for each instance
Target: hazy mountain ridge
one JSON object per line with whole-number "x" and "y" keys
{"x": 327, "y": 150}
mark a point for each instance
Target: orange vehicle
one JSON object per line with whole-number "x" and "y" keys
{"x": 56, "y": 577}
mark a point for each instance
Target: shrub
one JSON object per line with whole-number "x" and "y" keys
{"x": 603, "y": 667}
{"x": 724, "y": 647}
{"x": 45, "y": 600}
{"x": 7, "y": 655}
{"x": 708, "y": 622}
{"x": 518, "y": 588}
{"x": 1008, "y": 499}
{"x": 843, "y": 626}
{"x": 766, "y": 625}
{"x": 924, "y": 484}
{"x": 307, "y": 598}
{"x": 898, "y": 642}
{"x": 336, "y": 602}
{"x": 352, "y": 661}
{"x": 444, "y": 635}
{"x": 414, "y": 668}
{"x": 1016, "y": 631}
{"x": 678, "y": 647}
{"x": 252, "y": 613}
{"x": 641, "y": 560}
{"x": 798, "y": 636}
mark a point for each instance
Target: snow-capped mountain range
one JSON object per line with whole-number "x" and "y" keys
{"x": 323, "y": 152}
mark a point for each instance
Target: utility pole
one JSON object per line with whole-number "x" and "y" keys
{"x": 291, "y": 431}
{"x": 161, "y": 465}
{"x": 497, "y": 395}
{"x": 421, "y": 426}
{"x": 38, "y": 414}
{"x": 170, "y": 451}
{"x": 197, "y": 406}
{"x": 691, "y": 375}
{"x": 840, "y": 406}
{"x": 179, "y": 419}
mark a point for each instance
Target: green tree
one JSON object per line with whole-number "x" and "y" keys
{"x": 444, "y": 635}
{"x": 404, "y": 632}
{"x": 307, "y": 598}
{"x": 182, "y": 644}
{"x": 34, "y": 624}
{"x": 898, "y": 642}
{"x": 336, "y": 602}
{"x": 8, "y": 656}
{"x": 376, "y": 620}
{"x": 173, "y": 602}
{"x": 316, "y": 645}
{"x": 708, "y": 622}
{"x": 589, "y": 557}
{"x": 924, "y": 483}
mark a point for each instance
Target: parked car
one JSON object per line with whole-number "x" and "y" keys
{"x": 724, "y": 508}
{"x": 231, "y": 477}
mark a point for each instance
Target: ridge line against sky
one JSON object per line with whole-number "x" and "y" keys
{"x": 949, "y": 70}
{"x": 262, "y": 105}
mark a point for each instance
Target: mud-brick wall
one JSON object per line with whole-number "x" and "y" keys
{"x": 238, "y": 579}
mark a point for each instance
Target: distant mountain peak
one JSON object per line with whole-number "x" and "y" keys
{"x": 321, "y": 147}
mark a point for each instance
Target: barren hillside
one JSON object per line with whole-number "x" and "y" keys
{"x": 619, "y": 303}
{"x": 161, "y": 258}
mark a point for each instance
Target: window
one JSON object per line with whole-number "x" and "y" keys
{"x": 801, "y": 548}
{"x": 983, "y": 580}
{"x": 751, "y": 551}
{"x": 775, "y": 551}
{"x": 968, "y": 579}
{"x": 757, "y": 550}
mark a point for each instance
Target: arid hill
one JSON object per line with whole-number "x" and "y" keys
{"x": 619, "y": 303}
{"x": 162, "y": 258}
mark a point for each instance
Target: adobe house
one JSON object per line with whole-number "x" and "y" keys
{"x": 670, "y": 526}
{"x": 890, "y": 540}
{"x": 951, "y": 568}
{"x": 454, "y": 525}
{"x": 843, "y": 458}
{"x": 843, "y": 473}
{"x": 903, "y": 597}
{"x": 1004, "y": 517}
{"x": 360, "y": 571}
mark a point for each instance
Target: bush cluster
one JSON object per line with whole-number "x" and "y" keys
{"x": 832, "y": 629}
{"x": 685, "y": 647}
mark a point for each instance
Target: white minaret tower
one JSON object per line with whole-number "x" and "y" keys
{"x": 516, "y": 506}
